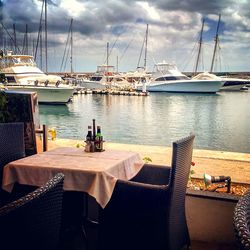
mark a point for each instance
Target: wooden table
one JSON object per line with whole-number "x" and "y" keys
{"x": 93, "y": 173}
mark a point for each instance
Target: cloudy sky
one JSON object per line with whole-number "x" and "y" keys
{"x": 174, "y": 30}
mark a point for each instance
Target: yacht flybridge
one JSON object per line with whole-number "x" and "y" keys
{"x": 22, "y": 74}
{"x": 167, "y": 78}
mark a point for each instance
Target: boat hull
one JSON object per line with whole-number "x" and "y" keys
{"x": 234, "y": 84}
{"x": 47, "y": 95}
{"x": 93, "y": 85}
{"x": 189, "y": 86}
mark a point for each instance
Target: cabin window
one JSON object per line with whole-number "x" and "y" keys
{"x": 10, "y": 79}
{"x": 171, "y": 78}
{"x": 95, "y": 78}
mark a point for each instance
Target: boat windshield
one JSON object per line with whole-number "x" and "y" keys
{"x": 10, "y": 61}
{"x": 171, "y": 78}
{"x": 95, "y": 78}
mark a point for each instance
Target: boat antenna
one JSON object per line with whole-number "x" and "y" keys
{"x": 215, "y": 44}
{"x": 199, "y": 50}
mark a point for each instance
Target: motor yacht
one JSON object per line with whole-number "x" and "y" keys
{"x": 22, "y": 74}
{"x": 167, "y": 78}
{"x": 100, "y": 79}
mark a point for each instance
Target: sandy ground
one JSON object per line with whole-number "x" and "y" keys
{"x": 235, "y": 165}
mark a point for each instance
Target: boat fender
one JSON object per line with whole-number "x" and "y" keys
{"x": 36, "y": 82}
{"x": 57, "y": 83}
{"x": 46, "y": 83}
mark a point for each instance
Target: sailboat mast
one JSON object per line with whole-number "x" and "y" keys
{"x": 107, "y": 55}
{"x": 38, "y": 34}
{"x": 25, "y": 41}
{"x": 216, "y": 44}
{"x": 46, "y": 39}
{"x": 117, "y": 65}
{"x": 71, "y": 44}
{"x": 200, "y": 43}
{"x": 146, "y": 47}
{"x": 14, "y": 35}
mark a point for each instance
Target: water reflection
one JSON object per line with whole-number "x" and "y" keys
{"x": 220, "y": 121}
{"x": 57, "y": 110}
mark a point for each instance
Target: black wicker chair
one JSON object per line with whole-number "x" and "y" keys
{"x": 148, "y": 212}
{"x": 33, "y": 221}
{"x": 11, "y": 148}
{"x": 242, "y": 221}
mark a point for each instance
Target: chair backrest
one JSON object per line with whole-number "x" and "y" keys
{"x": 33, "y": 221}
{"x": 23, "y": 107}
{"x": 241, "y": 221}
{"x": 181, "y": 163}
{"x": 11, "y": 144}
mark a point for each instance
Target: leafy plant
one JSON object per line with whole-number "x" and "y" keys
{"x": 147, "y": 159}
{"x": 78, "y": 145}
{"x": 190, "y": 174}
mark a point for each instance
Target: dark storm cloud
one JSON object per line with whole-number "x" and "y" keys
{"x": 202, "y": 6}
{"x": 98, "y": 17}
{"x": 21, "y": 13}
{"x": 1, "y": 10}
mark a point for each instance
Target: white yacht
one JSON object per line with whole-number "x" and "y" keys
{"x": 100, "y": 79}
{"x": 167, "y": 78}
{"x": 22, "y": 74}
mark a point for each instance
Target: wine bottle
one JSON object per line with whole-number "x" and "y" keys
{"x": 89, "y": 134}
{"x": 98, "y": 132}
{"x": 94, "y": 131}
{"x": 99, "y": 139}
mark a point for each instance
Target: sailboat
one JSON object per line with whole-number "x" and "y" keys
{"x": 232, "y": 84}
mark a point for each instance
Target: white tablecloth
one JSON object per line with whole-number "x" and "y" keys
{"x": 94, "y": 173}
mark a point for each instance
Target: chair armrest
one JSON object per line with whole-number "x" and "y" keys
{"x": 135, "y": 214}
{"x": 153, "y": 174}
{"x": 130, "y": 197}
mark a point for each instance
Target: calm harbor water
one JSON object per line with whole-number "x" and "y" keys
{"x": 220, "y": 121}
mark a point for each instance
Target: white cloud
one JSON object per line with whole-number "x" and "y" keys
{"x": 73, "y": 7}
{"x": 151, "y": 10}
